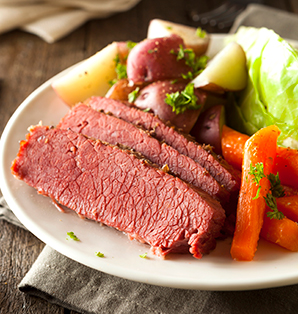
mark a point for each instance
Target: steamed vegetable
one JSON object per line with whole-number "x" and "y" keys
{"x": 271, "y": 95}
{"x": 208, "y": 128}
{"x": 195, "y": 39}
{"x": 225, "y": 72}
{"x": 259, "y": 155}
{"x": 84, "y": 81}
{"x": 156, "y": 59}
{"x": 283, "y": 232}
{"x": 178, "y": 103}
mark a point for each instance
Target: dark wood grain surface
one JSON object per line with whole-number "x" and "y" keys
{"x": 26, "y": 62}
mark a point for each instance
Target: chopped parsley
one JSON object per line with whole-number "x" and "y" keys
{"x": 130, "y": 44}
{"x": 99, "y": 254}
{"x": 197, "y": 64}
{"x": 72, "y": 236}
{"x": 133, "y": 95}
{"x": 181, "y": 101}
{"x": 143, "y": 255}
{"x": 257, "y": 172}
{"x": 271, "y": 203}
{"x": 200, "y": 33}
{"x": 276, "y": 189}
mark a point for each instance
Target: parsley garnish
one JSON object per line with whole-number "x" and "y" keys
{"x": 72, "y": 236}
{"x": 257, "y": 172}
{"x": 133, "y": 95}
{"x": 197, "y": 64}
{"x": 276, "y": 189}
{"x": 271, "y": 203}
{"x": 130, "y": 44}
{"x": 200, "y": 33}
{"x": 99, "y": 254}
{"x": 143, "y": 255}
{"x": 181, "y": 101}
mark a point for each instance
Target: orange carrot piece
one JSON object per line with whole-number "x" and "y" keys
{"x": 288, "y": 205}
{"x": 232, "y": 145}
{"x": 259, "y": 148}
{"x": 286, "y": 164}
{"x": 283, "y": 232}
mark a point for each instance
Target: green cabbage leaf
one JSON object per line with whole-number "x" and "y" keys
{"x": 271, "y": 95}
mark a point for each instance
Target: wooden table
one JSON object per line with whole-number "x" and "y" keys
{"x": 26, "y": 62}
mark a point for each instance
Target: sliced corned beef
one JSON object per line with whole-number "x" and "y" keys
{"x": 108, "y": 184}
{"x": 218, "y": 168}
{"x": 98, "y": 125}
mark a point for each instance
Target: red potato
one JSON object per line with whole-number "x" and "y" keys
{"x": 153, "y": 60}
{"x": 208, "y": 127}
{"x": 153, "y": 97}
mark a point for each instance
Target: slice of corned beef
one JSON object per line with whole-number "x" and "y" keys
{"x": 98, "y": 125}
{"x": 108, "y": 184}
{"x": 223, "y": 173}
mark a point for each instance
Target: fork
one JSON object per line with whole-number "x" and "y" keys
{"x": 223, "y": 16}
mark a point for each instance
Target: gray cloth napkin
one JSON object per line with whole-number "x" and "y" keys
{"x": 62, "y": 281}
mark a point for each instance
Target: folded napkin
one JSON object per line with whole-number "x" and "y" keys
{"x": 54, "y": 19}
{"x": 65, "y": 282}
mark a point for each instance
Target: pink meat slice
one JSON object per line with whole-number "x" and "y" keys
{"x": 223, "y": 173}
{"x": 98, "y": 125}
{"x": 110, "y": 185}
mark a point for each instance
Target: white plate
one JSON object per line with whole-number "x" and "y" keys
{"x": 272, "y": 266}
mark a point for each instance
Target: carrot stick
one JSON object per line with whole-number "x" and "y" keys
{"x": 259, "y": 148}
{"x": 283, "y": 232}
{"x": 286, "y": 165}
{"x": 232, "y": 145}
{"x": 288, "y": 205}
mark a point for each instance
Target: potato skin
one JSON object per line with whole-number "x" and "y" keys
{"x": 153, "y": 96}
{"x": 208, "y": 127}
{"x": 153, "y": 59}
{"x": 120, "y": 90}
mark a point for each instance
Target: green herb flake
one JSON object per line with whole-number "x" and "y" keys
{"x": 257, "y": 172}
{"x": 147, "y": 109}
{"x": 200, "y": 33}
{"x": 72, "y": 236}
{"x": 143, "y": 255}
{"x": 197, "y": 64}
{"x": 99, "y": 254}
{"x": 276, "y": 188}
{"x": 181, "y": 101}
{"x": 169, "y": 27}
{"x": 130, "y": 44}
{"x": 271, "y": 203}
{"x": 133, "y": 95}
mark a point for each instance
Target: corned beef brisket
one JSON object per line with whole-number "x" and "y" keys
{"x": 111, "y": 185}
{"x": 218, "y": 168}
{"x": 98, "y": 125}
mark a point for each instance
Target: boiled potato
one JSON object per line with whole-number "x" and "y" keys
{"x": 152, "y": 98}
{"x": 89, "y": 78}
{"x": 227, "y": 71}
{"x": 160, "y": 28}
{"x": 120, "y": 90}
{"x": 208, "y": 127}
{"x": 156, "y": 59}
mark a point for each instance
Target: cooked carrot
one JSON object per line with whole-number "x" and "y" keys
{"x": 289, "y": 191}
{"x": 232, "y": 145}
{"x": 283, "y": 232}
{"x": 286, "y": 164}
{"x": 288, "y": 205}
{"x": 260, "y": 148}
